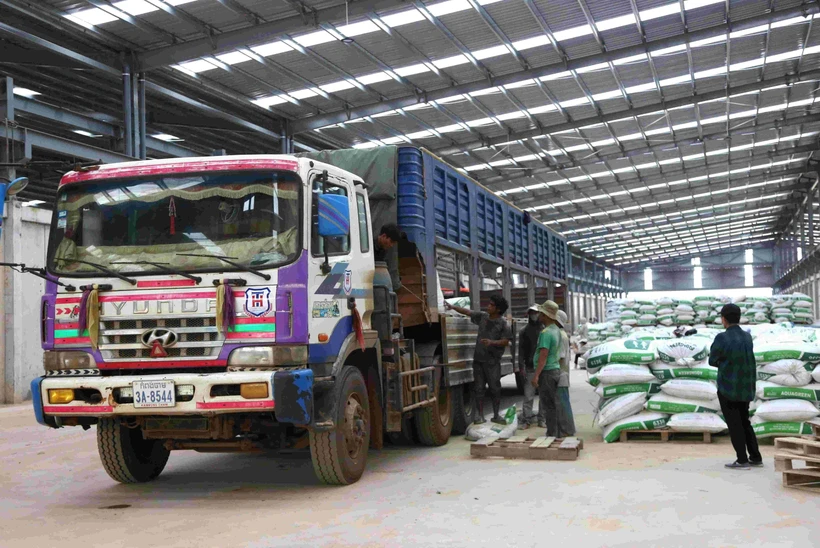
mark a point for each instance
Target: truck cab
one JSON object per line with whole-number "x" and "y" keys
{"x": 220, "y": 304}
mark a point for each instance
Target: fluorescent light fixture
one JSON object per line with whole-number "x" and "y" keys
{"x": 166, "y": 137}
{"x": 85, "y": 133}
{"x": 25, "y": 92}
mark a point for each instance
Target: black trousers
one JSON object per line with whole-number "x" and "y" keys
{"x": 736, "y": 414}
{"x": 488, "y": 374}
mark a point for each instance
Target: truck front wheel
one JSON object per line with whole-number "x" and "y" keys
{"x": 126, "y": 456}
{"x": 340, "y": 455}
{"x": 434, "y": 423}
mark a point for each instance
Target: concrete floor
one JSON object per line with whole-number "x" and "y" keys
{"x": 53, "y": 492}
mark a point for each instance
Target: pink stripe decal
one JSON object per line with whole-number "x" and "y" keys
{"x": 270, "y": 335}
{"x": 235, "y": 405}
{"x": 73, "y": 340}
{"x": 142, "y": 169}
{"x": 157, "y": 364}
{"x": 147, "y": 297}
{"x": 78, "y": 408}
{"x": 166, "y": 283}
{"x": 271, "y": 319}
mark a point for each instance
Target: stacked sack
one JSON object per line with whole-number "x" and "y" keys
{"x": 689, "y": 392}
{"x": 623, "y": 381}
{"x": 666, "y": 311}
{"x": 684, "y": 313}
{"x": 788, "y": 386}
{"x": 704, "y": 308}
{"x": 802, "y": 306}
{"x": 782, "y": 309}
{"x": 758, "y": 310}
{"x": 647, "y": 314}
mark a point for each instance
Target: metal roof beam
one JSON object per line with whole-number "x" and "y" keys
{"x": 258, "y": 34}
{"x": 79, "y": 121}
{"x": 779, "y": 123}
{"x": 540, "y": 72}
{"x": 661, "y": 177}
{"x": 65, "y": 147}
{"x": 273, "y": 131}
{"x": 635, "y": 112}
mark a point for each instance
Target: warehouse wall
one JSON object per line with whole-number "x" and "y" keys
{"x": 24, "y": 240}
{"x": 720, "y": 271}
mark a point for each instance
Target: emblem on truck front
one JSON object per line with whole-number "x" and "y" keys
{"x": 158, "y": 340}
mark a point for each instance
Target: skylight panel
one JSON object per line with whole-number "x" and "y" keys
{"x": 403, "y": 18}
{"x": 357, "y": 29}
{"x": 314, "y": 39}
{"x": 272, "y": 48}
{"x": 448, "y": 62}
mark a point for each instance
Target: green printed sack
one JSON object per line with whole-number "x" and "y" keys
{"x": 771, "y": 391}
{"x": 645, "y": 420}
{"x": 665, "y": 372}
{"x": 622, "y": 351}
{"x": 664, "y": 403}
{"x": 768, "y": 352}
{"x": 613, "y": 390}
{"x": 688, "y": 347}
{"x": 763, "y": 429}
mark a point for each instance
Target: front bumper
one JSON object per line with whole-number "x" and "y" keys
{"x": 293, "y": 389}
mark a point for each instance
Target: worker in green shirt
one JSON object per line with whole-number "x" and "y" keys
{"x": 547, "y": 366}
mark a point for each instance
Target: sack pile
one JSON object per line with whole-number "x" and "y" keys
{"x": 788, "y": 392}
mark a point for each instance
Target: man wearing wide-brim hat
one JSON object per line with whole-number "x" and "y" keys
{"x": 547, "y": 366}
{"x": 527, "y": 343}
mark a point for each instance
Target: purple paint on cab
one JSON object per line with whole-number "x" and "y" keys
{"x": 49, "y": 300}
{"x": 292, "y": 325}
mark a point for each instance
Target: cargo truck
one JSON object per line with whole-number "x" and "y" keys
{"x": 233, "y": 303}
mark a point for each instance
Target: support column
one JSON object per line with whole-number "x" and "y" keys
{"x": 287, "y": 139}
{"x": 142, "y": 114}
{"x": 127, "y": 109}
{"x": 810, "y": 211}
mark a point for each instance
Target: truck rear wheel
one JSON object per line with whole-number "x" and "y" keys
{"x": 434, "y": 423}
{"x": 463, "y": 401}
{"x": 126, "y": 456}
{"x": 340, "y": 455}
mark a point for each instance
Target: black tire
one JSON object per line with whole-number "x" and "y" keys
{"x": 463, "y": 401}
{"x": 340, "y": 455}
{"x": 434, "y": 423}
{"x": 126, "y": 456}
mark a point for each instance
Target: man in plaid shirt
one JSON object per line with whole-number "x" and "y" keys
{"x": 733, "y": 354}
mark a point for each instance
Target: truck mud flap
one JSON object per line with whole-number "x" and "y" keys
{"x": 293, "y": 396}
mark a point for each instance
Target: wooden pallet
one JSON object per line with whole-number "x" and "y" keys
{"x": 798, "y": 446}
{"x": 658, "y": 436}
{"x": 815, "y": 428}
{"x": 523, "y": 447}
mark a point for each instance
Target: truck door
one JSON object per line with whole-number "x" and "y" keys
{"x": 346, "y": 276}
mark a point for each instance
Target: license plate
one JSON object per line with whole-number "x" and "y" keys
{"x": 148, "y": 394}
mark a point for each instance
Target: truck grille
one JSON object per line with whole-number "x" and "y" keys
{"x": 197, "y": 338}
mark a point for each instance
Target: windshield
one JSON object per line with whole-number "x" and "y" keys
{"x": 249, "y": 217}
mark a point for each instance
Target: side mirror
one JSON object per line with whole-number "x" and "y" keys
{"x": 10, "y": 189}
{"x": 334, "y": 216}
{"x": 16, "y": 186}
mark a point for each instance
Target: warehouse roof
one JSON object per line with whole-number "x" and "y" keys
{"x": 640, "y": 129}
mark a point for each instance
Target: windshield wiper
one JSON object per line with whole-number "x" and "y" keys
{"x": 103, "y": 269}
{"x": 165, "y": 269}
{"x": 230, "y": 262}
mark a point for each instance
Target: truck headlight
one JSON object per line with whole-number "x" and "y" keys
{"x": 59, "y": 361}
{"x": 268, "y": 356}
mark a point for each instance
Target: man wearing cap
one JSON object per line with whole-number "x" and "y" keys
{"x": 547, "y": 366}
{"x": 566, "y": 421}
{"x": 493, "y": 337}
{"x": 733, "y": 354}
{"x": 527, "y": 343}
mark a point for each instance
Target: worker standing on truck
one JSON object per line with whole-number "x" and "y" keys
{"x": 527, "y": 343}
{"x": 566, "y": 421}
{"x": 493, "y": 337}
{"x": 388, "y": 238}
{"x": 547, "y": 366}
